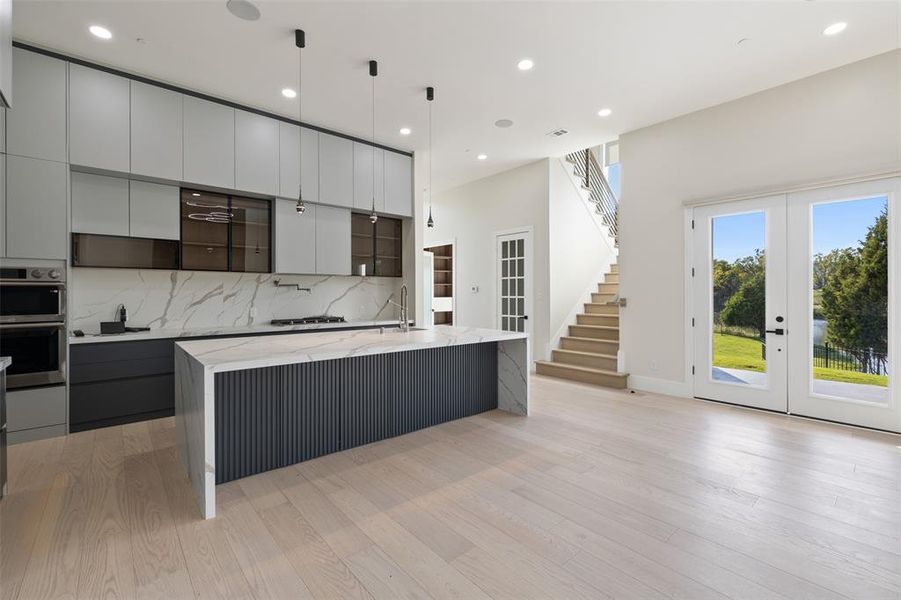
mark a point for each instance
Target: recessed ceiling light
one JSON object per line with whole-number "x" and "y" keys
{"x": 243, "y": 9}
{"x": 605, "y": 112}
{"x": 99, "y": 31}
{"x": 503, "y": 123}
{"x": 835, "y": 28}
{"x": 289, "y": 93}
{"x": 525, "y": 64}
{"x": 482, "y": 156}
{"x": 405, "y": 131}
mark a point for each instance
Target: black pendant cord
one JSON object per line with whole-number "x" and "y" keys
{"x": 430, "y": 96}
{"x": 373, "y": 73}
{"x": 300, "y": 42}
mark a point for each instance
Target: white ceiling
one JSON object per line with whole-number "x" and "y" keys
{"x": 648, "y": 61}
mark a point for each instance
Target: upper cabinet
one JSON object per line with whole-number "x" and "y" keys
{"x": 398, "y": 184}
{"x": 295, "y": 238}
{"x": 366, "y": 160}
{"x": 6, "y": 52}
{"x": 99, "y": 108}
{"x": 36, "y": 216}
{"x": 99, "y": 204}
{"x": 336, "y": 170}
{"x": 333, "y": 248}
{"x": 256, "y": 153}
{"x": 289, "y": 157}
{"x": 2, "y": 130}
{"x": 154, "y": 211}
{"x": 3, "y": 204}
{"x": 209, "y": 143}
{"x": 156, "y": 132}
{"x": 36, "y": 127}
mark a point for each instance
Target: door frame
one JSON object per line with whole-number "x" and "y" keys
{"x": 528, "y": 232}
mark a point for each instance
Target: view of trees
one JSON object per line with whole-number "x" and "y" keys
{"x": 851, "y": 284}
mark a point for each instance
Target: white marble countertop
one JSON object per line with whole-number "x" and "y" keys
{"x": 158, "y": 334}
{"x": 5, "y": 361}
{"x": 236, "y": 354}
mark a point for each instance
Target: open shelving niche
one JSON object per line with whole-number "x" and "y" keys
{"x": 443, "y": 292}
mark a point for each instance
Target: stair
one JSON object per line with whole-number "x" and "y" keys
{"x": 588, "y": 353}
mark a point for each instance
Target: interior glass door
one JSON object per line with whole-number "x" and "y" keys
{"x": 843, "y": 265}
{"x": 514, "y": 281}
{"x": 738, "y": 295}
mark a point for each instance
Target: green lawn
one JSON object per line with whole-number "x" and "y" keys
{"x": 734, "y": 352}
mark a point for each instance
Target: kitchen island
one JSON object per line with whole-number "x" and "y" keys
{"x": 248, "y": 405}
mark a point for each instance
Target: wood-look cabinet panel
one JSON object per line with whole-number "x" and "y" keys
{"x": 369, "y": 160}
{"x": 99, "y": 204}
{"x": 99, "y": 109}
{"x": 36, "y": 215}
{"x": 398, "y": 184}
{"x": 289, "y": 159}
{"x": 256, "y": 153}
{"x": 154, "y": 211}
{"x": 295, "y": 238}
{"x": 336, "y": 170}
{"x": 36, "y": 126}
{"x": 332, "y": 240}
{"x": 209, "y": 143}
{"x": 156, "y": 132}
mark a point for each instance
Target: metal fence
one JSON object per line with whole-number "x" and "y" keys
{"x": 860, "y": 360}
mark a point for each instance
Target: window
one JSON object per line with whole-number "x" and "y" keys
{"x": 225, "y": 233}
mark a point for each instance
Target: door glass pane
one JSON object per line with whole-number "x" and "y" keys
{"x": 250, "y": 235}
{"x": 739, "y": 299}
{"x": 849, "y": 262}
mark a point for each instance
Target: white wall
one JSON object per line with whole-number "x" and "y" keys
{"x": 472, "y": 215}
{"x": 841, "y": 123}
{"x": 581, "y": 249}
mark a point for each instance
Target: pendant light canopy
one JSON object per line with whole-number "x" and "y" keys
{"x": 300, "y": 40}
{"x": 373, "y": 73}
{"x": 430, "y": 96}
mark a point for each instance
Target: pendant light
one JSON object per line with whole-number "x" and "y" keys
{"x": 301, "y": 42}
{"x": 430, "y": 96}
{"x": 373, "y": 73}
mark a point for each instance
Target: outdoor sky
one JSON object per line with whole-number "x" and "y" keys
{"x": 836, "y": 225}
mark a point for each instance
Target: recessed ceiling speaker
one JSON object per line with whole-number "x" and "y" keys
{"x": 503, "y": 123}
{"x": 243, "y": 9}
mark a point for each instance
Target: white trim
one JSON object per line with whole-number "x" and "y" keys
{"x": 668, "y": 387}
{"x": 454, "y": 273}
{"x": 528, "y": 231}
{"x": 688, "y": 295}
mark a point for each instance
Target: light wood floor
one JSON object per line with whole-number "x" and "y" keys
{"x": 598, "y": 494}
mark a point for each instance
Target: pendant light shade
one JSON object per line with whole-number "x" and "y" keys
{"x": 300, "y": 40}
{"x": 430, "y": 96}
{"x": 373, "y": 73}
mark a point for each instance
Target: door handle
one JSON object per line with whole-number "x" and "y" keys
{"x": 525, "y": 317}
{"x": 778, "y": 331}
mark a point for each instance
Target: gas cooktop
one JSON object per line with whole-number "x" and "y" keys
{"x": 307, "y": 320}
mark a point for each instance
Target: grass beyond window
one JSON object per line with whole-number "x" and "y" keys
{"x": 735, "y": 352}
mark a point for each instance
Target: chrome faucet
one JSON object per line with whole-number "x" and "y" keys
{"x": 404, "y": 315}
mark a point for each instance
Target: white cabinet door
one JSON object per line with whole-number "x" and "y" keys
{"x": 288, "y": 159}
{"x": 365, "y": 158}
{"x": 154, "y": 211}
{"x": 156, "y": 132}
{"x": 398, "y": 184}
{"x": 256, "y": 153}
{"x": 336, "y": 170}
{"x": 6, "y": 52}
{"x": 209, "y": 143}
{"x": 36, "y": 216}
{"x": 36, "y": 127}
{"x": 99, "y": 109}
{"x": 2, "y": 129}
{"x": 99, "y": 204}
{"x": 295, "y": 238}
{"x": 332, "y": 240}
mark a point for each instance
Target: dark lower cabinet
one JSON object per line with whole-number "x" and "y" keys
{"x": 277, "y": 416}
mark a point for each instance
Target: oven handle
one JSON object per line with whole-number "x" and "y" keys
{"x": 32, "y": 326}
{"x": 18, "y": 283}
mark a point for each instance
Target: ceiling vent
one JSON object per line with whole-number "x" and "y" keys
{"x": 557, "y": 132}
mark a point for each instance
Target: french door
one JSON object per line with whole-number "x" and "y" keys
{"x": 514, "y": 281}
{"x": 794, "y": 303}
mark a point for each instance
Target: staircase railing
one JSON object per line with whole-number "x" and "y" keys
{"x": 590, "y": 172}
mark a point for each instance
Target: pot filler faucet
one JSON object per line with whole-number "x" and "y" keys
{"x": 404, "y": 317}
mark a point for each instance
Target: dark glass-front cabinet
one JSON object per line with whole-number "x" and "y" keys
{"x": 376, "y": 248}
{"x": 225, "y": 233}
{"x": 114, "y": 251}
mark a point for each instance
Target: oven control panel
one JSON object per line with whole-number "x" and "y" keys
{"x": 8, "y": 275}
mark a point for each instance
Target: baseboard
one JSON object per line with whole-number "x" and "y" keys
{"x": 680, "y": 389}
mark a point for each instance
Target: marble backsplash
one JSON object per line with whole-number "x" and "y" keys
{"x": 200, "y": 299}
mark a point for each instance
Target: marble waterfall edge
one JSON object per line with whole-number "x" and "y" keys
{"x": 185, "y": 300}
